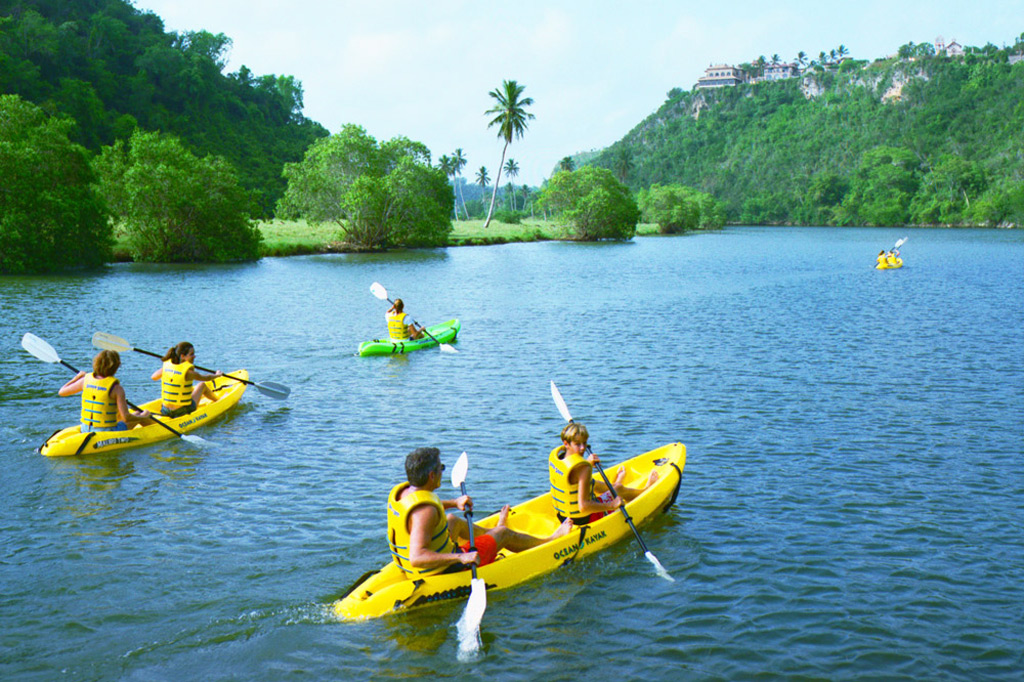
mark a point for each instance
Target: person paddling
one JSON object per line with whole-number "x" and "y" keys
{"x": 104, "y": 404}
{"x": 401, "y": 327}
{"x": 178, "y": 396}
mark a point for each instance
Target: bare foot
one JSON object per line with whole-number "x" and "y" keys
{"x": 620, "y": 476}
{"x": 652, "y": 479}
{"x": 562, "y": 530}
{"x": 503, "y": 516}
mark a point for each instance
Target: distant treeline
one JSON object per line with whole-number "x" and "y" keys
{"x": 930, "y": 140}
{"x": 113, "y": 68}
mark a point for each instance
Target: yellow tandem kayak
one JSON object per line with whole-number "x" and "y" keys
{"x": 71, "y": 441}
{"x": 388, "y": 591}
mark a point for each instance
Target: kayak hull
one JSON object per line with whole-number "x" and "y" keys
{"x": 71, "y": 441}
{"x": 890, "y": 265}
{"x": 388, "y": 591}
{"x": 444, "y": 333}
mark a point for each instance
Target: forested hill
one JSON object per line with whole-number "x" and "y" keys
{"x": 929, "y": 140}
{"x": 113, "y": 68}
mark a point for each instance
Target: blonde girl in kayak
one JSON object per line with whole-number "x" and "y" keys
{"x": 401, "y": 327}
{"x": 104, "y": 405}
{"x": 178, "y": 396}
{"x": 575, "y": 493}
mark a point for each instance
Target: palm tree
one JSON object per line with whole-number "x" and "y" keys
{"x": 842, "y": 51}
{"x": 623, "y": 162}
{"x": 446, "y": 166}
{"x": 512, "y": 170}
{"x": 567, "y": 164}
{"x": 801, "y": 58}
{"x": 776, "y": 59}
{"x": 510, "y": 117}
{"x": 481, "y": 178}
{"x": 458, "y": 163}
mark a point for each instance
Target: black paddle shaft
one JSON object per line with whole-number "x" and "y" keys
{"x": 622, "y": 507}
{"x": 201, "y": 369}
{"x": 469, "y": 522}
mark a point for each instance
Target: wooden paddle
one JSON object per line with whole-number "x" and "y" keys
{"x": 110, "y": 342}
{"x": 45, "y": 352}
{"x": 564, "y": 410}
{"x": 469, "y": 624}
{"x": 378, "y": 290}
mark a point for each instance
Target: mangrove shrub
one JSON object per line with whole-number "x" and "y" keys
{"x": 593, "y": 202}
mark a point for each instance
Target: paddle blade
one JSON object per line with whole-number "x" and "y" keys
{"x": 379, "y": 291}
{"x": 658, "y": 567}
{"x": 105, "y": 341}
{"x": 39, "y": 348}
{"x": 901, "y": 242}
{"x": 447, "y": 348}
{"x": 273, "y": 389}
{"x": 469, "y": 623}
{"x": 459, "y": 470}
{"x": 560, "y": 403}
{"x": 195, "y": 440}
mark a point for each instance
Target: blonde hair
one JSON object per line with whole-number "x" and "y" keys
{"x": 397, "y": 306}
{"x": 105, "y": 363}
{"x": 575, "y": 432}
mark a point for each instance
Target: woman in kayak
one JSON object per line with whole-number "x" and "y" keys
{"x": 881, "y": 257}
{"x": 104, "y": 405}
{"x": 177, "y": 394}
{"x": 423, "y": 537}
{"x": 574, "y": 492}
{"x": 401, "y": 327}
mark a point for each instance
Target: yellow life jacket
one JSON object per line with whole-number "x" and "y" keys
{"x": 176, "y": 389}
{"x": 398, "y": 330}
{"x": 398, "y": 529}
{"x": 890, "y": 259}
{"x": 565, "y": 495}
{"x": 881, "y": 259}
{"x": 99, "y": 407}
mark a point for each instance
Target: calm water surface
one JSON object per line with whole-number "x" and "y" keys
{"x": 851, "y": 506}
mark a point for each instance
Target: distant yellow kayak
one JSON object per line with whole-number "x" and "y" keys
{"x": 388, "y": 590}
{"x": 890, "y": 264}
{"x": 71, "y": 441}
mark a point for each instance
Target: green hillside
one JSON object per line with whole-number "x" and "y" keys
{"x": 923, "y": 140}
{"x": 112, "y": 68}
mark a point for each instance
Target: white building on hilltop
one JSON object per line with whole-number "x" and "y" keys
{"x": 721, "y": 76}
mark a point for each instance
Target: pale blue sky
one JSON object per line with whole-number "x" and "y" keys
{"x": 595, "y": 68}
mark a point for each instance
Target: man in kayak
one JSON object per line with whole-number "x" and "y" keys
{"x": 573, "y": 486}
{"x": 104, "y": 405}
{"x": 401, "y": 327}
{"x": 422, "y": 537}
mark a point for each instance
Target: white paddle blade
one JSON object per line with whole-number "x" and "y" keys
{"x": 901, "y": 242}
{"x": 560, "y": 403}
{"x": 459, "y": 470}
{"x": 658, "y": 567}
{"x": 272, "y": 389}
{"x": 195, "y": 440}
{"x": 469, "y": 623}
{"x": 105, "y": 341}
{"x": 446, "y": 348}
{"x": 39, "y": 348}
{"x": 379, "y": 291}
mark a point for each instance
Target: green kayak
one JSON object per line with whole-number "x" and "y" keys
{"x": 442, "y": 333}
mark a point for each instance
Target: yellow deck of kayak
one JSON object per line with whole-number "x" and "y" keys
{"x": 71, "y": 441}
{"x": 389, "y": 591}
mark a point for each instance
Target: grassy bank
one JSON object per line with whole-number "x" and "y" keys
{"x": 295, "y": 237}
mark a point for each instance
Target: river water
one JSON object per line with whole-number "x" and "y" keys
{"x": 851, "y": 505}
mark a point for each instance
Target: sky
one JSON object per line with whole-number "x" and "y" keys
{"x": 595, "y": 69}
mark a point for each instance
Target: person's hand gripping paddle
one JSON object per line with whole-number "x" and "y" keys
{"x": 469, "y": 624}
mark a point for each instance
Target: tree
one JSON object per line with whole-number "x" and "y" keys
{"x": 801, "y": 58}
{"x": 623, "y": 160}
{"x": 567, "y": 164}
{"x": 174, "y": 206}
{"x": 510, "y": 116}
{"x": 596, "y": 205}
{"x": 512, "y": 171}
{"x": 379, "y": 194}
{"x": 458, "y": 163}
{"x": 447, "y": 166}
{"x": 676, "y": 208}
{"x": 51, "y": 217}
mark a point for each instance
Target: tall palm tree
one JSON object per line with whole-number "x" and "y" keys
{"x": 567, "y": 164}
{"x": 623, "y": 162}
{"x": 510, "y": 116}
{"x": 512, "y": 170}
{"x": 482, "y": 178}
{"x": 842, "y": 51}
{"x": 801, "y": 58}
{"x": 446, "y": 166}
{"x": 458, "y": 163}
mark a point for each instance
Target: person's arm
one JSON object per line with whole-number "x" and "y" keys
{"x": 73, "y": 386}
{"x": 158, "y": 374}
{"x": 123, "y": 413}
{"x": 422, "y": 520}
{"x": 461, "y": 503}
{"x": 587, "y": 505}
{"x": 193, "y": 375}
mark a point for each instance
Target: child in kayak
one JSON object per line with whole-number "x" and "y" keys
{"x": 574, "y": 492}
{"x": 401, "y": 327}
{"x": 423, "y": 538}
{"x": 177, "y": 394}
{"x": 104, "y": 405}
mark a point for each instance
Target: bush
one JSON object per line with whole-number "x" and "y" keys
{"x": 594, "y": 202}
{"x": 51, "y": 217}
{"x": 508, "y": 217}
{"x": 174, "y": 206}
